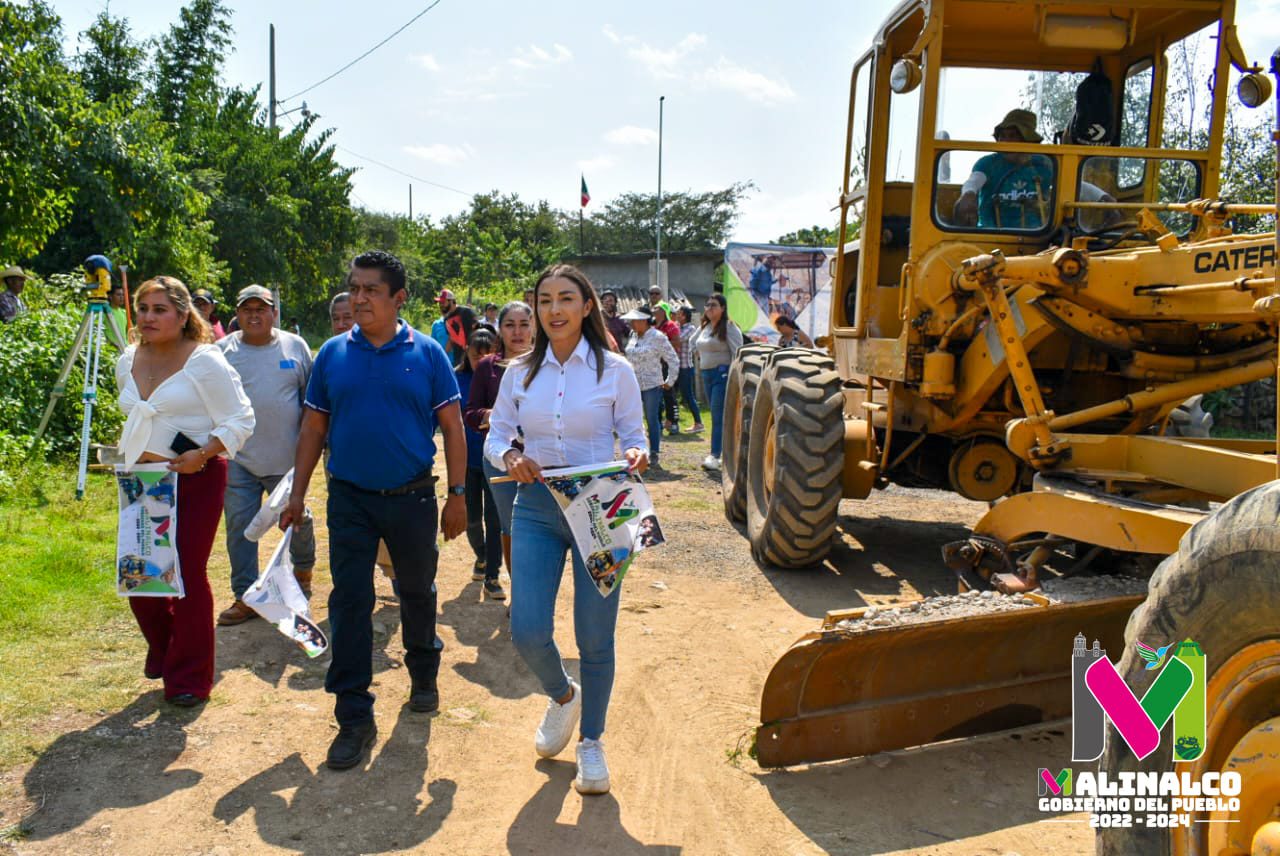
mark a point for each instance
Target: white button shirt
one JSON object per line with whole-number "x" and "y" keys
{"x": 567, "y": 417}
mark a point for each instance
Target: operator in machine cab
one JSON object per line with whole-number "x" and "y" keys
{"x": 1008, "y": 190}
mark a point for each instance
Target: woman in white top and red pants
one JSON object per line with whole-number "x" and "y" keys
{"x": 174, "y": 381}
{"x": 570, "y": 395}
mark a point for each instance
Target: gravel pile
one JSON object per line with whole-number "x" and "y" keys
{"x": 937, "y": 609}
{"x": 1075, "y": 589}
{"x": 987, "y": 602}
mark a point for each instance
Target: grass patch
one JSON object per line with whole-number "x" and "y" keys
{"x": 67, "y": 642}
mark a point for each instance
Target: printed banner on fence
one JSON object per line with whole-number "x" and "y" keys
{"x": 146, "y": 539}
{"x": 610, "y": 514}
{"x": 278, "y": 598}
{"x": 763, "y": 281}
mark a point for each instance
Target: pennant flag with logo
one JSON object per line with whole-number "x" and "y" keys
{"x": 146, "y": 538}
{"x": 278, "y": 598}
{"x": 610, "y": 515}
{"x": 586, "y": 197}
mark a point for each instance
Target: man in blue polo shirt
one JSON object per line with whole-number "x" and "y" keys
{"x": 377, "y": 393}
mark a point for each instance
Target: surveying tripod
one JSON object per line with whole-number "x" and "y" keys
{"x": 98, "y": 323}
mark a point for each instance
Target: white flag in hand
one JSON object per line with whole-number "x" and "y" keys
{"x": 610, "y": 514}
{"x": 278, "y": 598}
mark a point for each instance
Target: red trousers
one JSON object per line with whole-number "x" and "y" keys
{"x": 179, "y": 631}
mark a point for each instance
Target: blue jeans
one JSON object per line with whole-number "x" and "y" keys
{"x": 685, "y": 384}
{"x": 241, "y": 502}
{"x": 483, "y": 524}
{"x": 540, "y": 539}
{"x": 504, "y": 496}
{"x": 714, "y": 382}
{"x": 357, "y": 519}
{"x": 651, "y": 400}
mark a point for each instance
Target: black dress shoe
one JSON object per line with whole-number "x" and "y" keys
{"x": 186, "y": 700}
{"x": 152, "y": 676}
{"x": 349, "y": 746}
{"x": 424, "y": 698}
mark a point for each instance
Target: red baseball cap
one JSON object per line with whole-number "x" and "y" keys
{"x": 446, "y": 296}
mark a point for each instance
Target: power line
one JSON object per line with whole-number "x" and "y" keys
{"x": 390, "y": 167}
{"x": 362, "y": 56}
{"x": 405, "y": 174}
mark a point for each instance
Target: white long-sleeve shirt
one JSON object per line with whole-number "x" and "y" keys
{"x": 203, "y": 399}
{"x": 647, "y": 353}
{"x": 567, "y": 417}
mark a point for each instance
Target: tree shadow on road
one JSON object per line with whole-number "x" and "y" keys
{"x": 598, "y": 830}
{"x": 119, "y": 762}
{"x": 483, "y": 625}
{"x": 371, "y": 810}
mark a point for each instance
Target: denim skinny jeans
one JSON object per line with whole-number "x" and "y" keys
{"x": 540, "y": 539}
{"x": 503, "y": 493}
{"x": 686, "y": 387}
{"x": 714, "y": 382}
{"x": 651, "y": 400}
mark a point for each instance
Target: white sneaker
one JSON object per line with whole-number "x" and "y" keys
{"x": 593, "y": 772}
{"x": 711, "y": 462}
{"x": 558, "y": 724}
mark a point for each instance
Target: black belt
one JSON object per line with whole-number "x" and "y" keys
{"x": 423, "y": 481}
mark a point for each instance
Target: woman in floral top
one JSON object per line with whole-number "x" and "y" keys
{"x": 647, "y": 350}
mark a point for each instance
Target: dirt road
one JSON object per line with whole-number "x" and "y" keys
{"x": 700, "y": 626}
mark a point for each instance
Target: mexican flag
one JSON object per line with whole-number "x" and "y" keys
{"x": 586, "y": 197}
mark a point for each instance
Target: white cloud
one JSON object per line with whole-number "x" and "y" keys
{"x": 611, "y": 35}
{"x": 440, "y": 153}
{"x": 536, "y": 57}
{"x": 596, "y": 164}
{"x": 631, "y": 135}
{"x": 427, "y": 61}
{"x": 766, "y": 216}
{"x": 749, "y": 84}
{"x": 664, "y": 63}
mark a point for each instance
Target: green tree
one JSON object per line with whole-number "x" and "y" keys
{"x": 38, "y": 96}
{"x": 112, "y": 64}
{"x": 187, "y": 63}
{"x": 690, "y": 221}
{"x": 814, "y": 236}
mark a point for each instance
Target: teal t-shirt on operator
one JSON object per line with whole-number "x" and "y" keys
{"x": 1015, "y": 196}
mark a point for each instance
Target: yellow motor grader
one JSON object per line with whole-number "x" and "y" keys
{"x": 1016, "y": 322}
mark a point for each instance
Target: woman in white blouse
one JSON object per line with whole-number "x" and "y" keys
{"x": 185, "y": 407}
{"x": 569, "y": 396}
{"x": 657, "y": 367}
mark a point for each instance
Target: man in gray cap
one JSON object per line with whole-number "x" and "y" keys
{"x": 11, "y": 305}
{"x": 1008, "y": 190}
{"x": 274, "y": 366}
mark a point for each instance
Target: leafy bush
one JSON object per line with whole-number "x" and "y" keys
{"x": 32, "y": 350}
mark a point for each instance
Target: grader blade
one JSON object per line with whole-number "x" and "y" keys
{"x": 841, "y": 693}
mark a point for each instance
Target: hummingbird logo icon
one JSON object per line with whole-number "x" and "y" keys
{"x": 1153, "y": 656}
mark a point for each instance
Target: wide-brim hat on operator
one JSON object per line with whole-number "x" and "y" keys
{"x": 14, "y": 270}
{"x": 640, "y": 313}
{"x": 1024, "y": 122}
{"x": 255, "y": 292}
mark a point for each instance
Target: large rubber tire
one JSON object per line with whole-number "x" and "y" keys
{"x": 740, "y": 392}
{"x": 1222, "y": 589}
{"x": 795, "y": 489}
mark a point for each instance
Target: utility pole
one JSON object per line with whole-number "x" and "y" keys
{"x": 271, "y": 82}
{"x": 410, "y": 201}
{"x": 658, "y": 254}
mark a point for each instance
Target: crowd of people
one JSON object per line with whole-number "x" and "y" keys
{"x": 558, "y": 379}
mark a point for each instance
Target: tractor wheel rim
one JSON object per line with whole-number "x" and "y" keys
{"x": 1251, "y": 674}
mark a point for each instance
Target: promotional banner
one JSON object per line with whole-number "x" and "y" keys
{"x": 278, "y": 598}
{"x": 146, "y": 539}
{"x": 763, "y": 281}
{"x": 610, "y": 514}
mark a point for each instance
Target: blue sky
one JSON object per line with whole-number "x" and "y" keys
{"x": 522, "y": 97}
